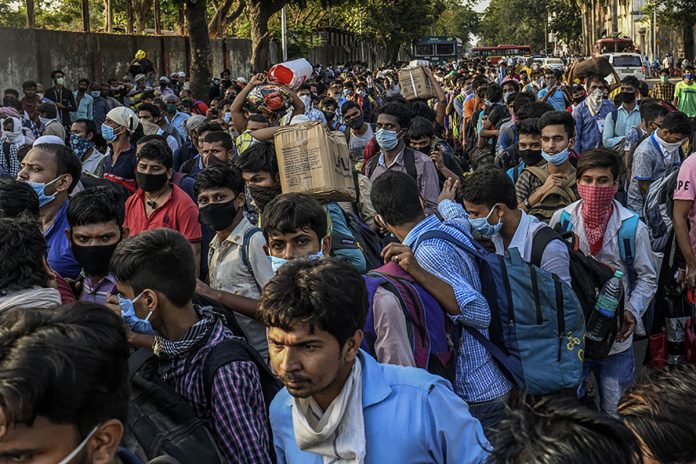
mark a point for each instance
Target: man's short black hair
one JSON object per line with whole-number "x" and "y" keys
{"x": 688, "y": 68}
{"x": 12, "y": 92}
{"x": 83, "y": 79}
{"x": 17, "y": 198}
{"x": 420, "y": 128}
{"x": 160, "y": 260}
{"x": 22, "y": 252}
{"x": 595, "y": 78}
{"x": 489, "y": 186}
{"x": 96, "y": 205}
{"x": 56, "y": 71}
{"x": 67, "y": 364}
{"x": 558, "y": 118}
{"x": 219, "y": 137}
{"x": 259, "y": 118}
{"x": 288, "y": 213}
{"x": 258, "y": 157}
{"x": 156, "y": 150}
{"x": 649, "y": 111}
{"x": 528, "y": 127}
{"x": 659, "y": 410}
{"x": 677, "y": 122}
{"x": 219, "y": 176}
{"x": 420, "y": 108}
{"x": 401, "y": 112}
{"x": 396, "y": 198}
{"x": 533, "y": 109}
{"x": 150, "y": 108}
{"x": 348, "y": 105}
{"x": 304, "y": 290}
{"x": 600, "y": 158}
{"x": 28, "y": 85}
{"x": 66, "y": 162}
{"x": 494, "y": 92}
{"x": 49, "y": 109}
{"x": 328, "y": 101}
{"x": 556, "y": 431}
{"x": 632, "y": 81}
{"x": 210, "y": 126}
{"x": 666, "y": 71}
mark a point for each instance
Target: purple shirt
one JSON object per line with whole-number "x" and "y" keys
{"x": 236, "y": 413}
{"x": 98, "y": 292}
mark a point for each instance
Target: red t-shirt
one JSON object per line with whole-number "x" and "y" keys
{"x": 178, "y": 212}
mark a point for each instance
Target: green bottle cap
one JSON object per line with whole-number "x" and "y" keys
{"x": 618, "y": 274}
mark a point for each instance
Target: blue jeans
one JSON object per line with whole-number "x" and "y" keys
{"x": 489, "y": 414}
{"x": 614, "y": 375}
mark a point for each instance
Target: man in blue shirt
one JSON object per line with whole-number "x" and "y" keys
{"x": 452, "y": 277}
{"x": 53, "y": 171}
{"x": 553, "y": 93}
{"x": 590, "y": 116}
{"x": 626, "y": 116}
{"x": 175, "y": 117}
{"x": 338, "y": 403}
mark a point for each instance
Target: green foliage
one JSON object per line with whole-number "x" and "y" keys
{"x": 519, "y": 22}
{"x": 675, "y": 13}
{"x": 565, "y": 21}
{"x": 457, "y": 19}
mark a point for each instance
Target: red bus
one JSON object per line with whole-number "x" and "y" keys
{"x": 494, "y": 54}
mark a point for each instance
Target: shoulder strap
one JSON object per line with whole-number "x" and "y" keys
{"x": 245, "y": 247}
{"x": 542, "y": 238}
{"x": 177, "y": 177}
{"x": 565, "y": 222}
{"x": 439, "y": 234}
{"x": 356, "y": 184}
{"x": 410, "y": 163}
{"x": 372, "y": 165}
{"x": 137, "y": 360}
{"x": 627, "y": 245}
{"x": 538, "y": 172}
{"x": 614, "y": 115}
{"x": 6, "y": 149}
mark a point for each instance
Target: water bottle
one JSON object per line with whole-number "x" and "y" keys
{"x": 603, "y": 317}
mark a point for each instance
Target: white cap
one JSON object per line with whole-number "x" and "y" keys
{"x": 242, "y": 79}
{"x": 139, "y": 77}
{"x": 125, "y": 117}
{"x": 48, "y": 139}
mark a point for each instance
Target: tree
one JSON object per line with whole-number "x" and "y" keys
{"x": 458, "y": 19}
{"x": 676, "y": 13}
{"x": 222, "y": 16}
{"x": 566, "y": 22}
{"x": 201, "y": 59}
{"x": 514, "y": 21}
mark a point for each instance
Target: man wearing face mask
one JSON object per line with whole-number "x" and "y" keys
{"x": 62, "y": 97}
{"x": 84, "y": 101}
{"x": 578, "y": 94}
{"x": 151, "y": 120}
{"x": 590, "y": 115}
{"x": 94, "y": 219}
{"x": 12, "y": 138}
{"x": 310, "y": 111}
{"x": 543, "y": 190}
{"x": 393, "y": 121}
{"x": 489, "y": 198}
{"x": 329, "y": 107}
{"x": 237, "y": 264}
{"x": 685, "y": 93}
{"x": 554, "y": 93}
{"x": 421, "y": 138}
{"x": 158, "y": 202}
{"x": 657, "y": 156}
{"x": 86, "y": 144}
{"x": 53, "y": 171}
{"x": 625, "y": 117}
{"x": 49, "y": 124}
{"x": 119, "y": 164}
{"x": 175, "y": 117}
{"x": 102, "y": 103}
{"x": 359, "y": 134}
{"x": 528, "y": 148}
{"x": 663, "y": 89}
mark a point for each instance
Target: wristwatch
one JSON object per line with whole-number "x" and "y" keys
{"x": 526, "y": 204}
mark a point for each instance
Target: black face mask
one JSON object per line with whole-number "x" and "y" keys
{"x": 425, "y": 150}
{"x": 263, "y": 195}
{"x": 329, "y": 115}
{"x": 628, "y": 97}
{"x": 9, "y": 101}
{"x": 219, "y": 216}
{"x": 356, "y": 123}
{"x": 530, "y": 157}
{"x": 578, "y": 100}
{"x": 94, "y": 259}
{"x": 151, "y": 182}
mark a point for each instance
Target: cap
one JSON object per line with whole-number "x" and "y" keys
{"x": 139, "y": 77}
{"x": 242, "y": 79}
{"x": 48, "y": 139}
{"x": 164, "y": 79}
{"x": 124, "y": 117}
{"x": 194, "y": 122}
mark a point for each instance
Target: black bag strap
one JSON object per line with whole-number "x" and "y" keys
{"x": 372, "y": 165}
{"x": 6, "y": 149}
{"x": 542, "y": 238}
{"x": 410, "y": 163}
{"x": 356, "y": 185}
{"x": 137, "y": 360}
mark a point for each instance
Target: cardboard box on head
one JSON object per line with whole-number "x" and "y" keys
{"x": 414, "y": 83}
{"x": 314, "y": 161}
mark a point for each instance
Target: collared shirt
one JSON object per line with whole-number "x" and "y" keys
{"x": 663, "y": 91}
{"x": 94, "y": 163}
{"x": 478, "y": 378}
{"x": 685, "y": 95}
{"x": 178, "y": 122}
{"x": 60, "y": 256}
{"x": 178, "y": 212}
{"x": 527, "y": 183}
{"x": 97, "y": 292}
{"x": 557, "y": 100}
{"x": 638, "y": 298}
{"x": 227, "y": 272}
{"x": 392, "y": 345}
{"x": 124, "y": 167}
{"x": 686, "y": 190}
{"x": 236, "y": 409}
{"x": 101, "y": 106}
{"x": 85, "y": 109}
{"x": 434, "y": 425}
{"x": 650, "y": 163}
{"x": 588, "y": 127}
{"x": 426, "y": 176}
{"x": 615, "y": 131}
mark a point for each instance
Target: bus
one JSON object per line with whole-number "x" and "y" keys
{"x": 437, "y": 49}
{"x": 494, "y": 54}
{"x": 613, "y": 45}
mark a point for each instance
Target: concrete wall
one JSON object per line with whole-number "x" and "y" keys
{"x": 34, "y": 53}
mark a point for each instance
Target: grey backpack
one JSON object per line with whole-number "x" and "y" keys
{"x": 657, "y": 210}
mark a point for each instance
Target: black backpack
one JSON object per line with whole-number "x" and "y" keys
{"x": 409, "y": 164}
{"x": 162, "y": 422}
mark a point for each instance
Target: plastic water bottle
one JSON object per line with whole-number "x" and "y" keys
{"x": 603, "y": 317}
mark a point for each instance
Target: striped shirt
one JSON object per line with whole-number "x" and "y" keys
{"x": 478, "y": 378}
{"x": 98, "y": 292}
{"x": 236, "y": 413}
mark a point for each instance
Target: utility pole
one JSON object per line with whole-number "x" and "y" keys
{"x": 654, "y": 31}
{"x": 546, "y": 36}
{"x": 284, "y": 34}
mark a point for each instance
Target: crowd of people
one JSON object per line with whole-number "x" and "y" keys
{"x": 163, "y": 300}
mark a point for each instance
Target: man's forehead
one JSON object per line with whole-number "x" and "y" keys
{"x": 299, "y": 332}
{"x": 39, "y": 157}
{"x": 99, "y": 228}
{"x": 304, "y": 232}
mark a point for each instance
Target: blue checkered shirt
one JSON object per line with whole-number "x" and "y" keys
{"x": 478, "y": 378}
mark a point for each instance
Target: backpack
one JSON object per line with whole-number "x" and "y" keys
{"x": 162, "y": 422}
{"x": 657, "y": 210}
{"x": 620, "y": 147}
{"x": 409, "y": 164}
{"x": 430, "y": 330}
{"x": 537, "y": 329}
{"x": 557, "y": 198}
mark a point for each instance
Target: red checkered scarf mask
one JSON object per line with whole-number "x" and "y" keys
{"x": 597, "y": 206}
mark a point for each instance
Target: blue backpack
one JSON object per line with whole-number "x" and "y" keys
{"x": 537, "y": 330}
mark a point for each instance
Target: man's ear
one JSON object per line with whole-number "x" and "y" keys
{"x": 352, "y": 345}
{"x": 125, "y": 233}
{"x": 571, "y": 142}
{"x": 326, "y": 245}
{"x": 64, "y": 183}
{"x": 241, "y": 200}
{"x": 105, "y": 441}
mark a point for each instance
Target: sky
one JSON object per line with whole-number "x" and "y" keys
{"x": 482, "y": 5}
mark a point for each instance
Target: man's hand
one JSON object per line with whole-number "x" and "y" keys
{"x": 691, "y": 277}
{"x": 629, "y": 325}
{"x": 449, "y": 190}
{"x": 554, "y": 180}
{"x": 403, "y": 256}
{"x": 60, "y": 106}
{"x": 112, "y": 304}
{"x": 436, "y": 156}
{"x": 257, "y": 79}
{"x": 206, "y": 290}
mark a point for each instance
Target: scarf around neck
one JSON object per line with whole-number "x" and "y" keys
{"x": 195, "y": 335}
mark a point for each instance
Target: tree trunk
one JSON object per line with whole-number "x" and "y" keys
{"x": 200, "y": 48}
{"x": 259, "y": 12}
{"x": 392, "y": 52}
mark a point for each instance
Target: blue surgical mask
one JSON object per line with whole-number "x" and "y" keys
{"x": 128, "y": 314}
{"x": 277, "y": 263}
{"x": 387, "y": 139}
{"x": 557, "y": 159}
{"x": 227, "y": 117}
{"x": 95, "y": 93}
{"x": 108, "y": 132}
{"x": 484, "y": 227}
{"x": 40, "y": 190}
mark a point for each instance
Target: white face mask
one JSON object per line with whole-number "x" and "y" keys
{"x": 77, "y": 450}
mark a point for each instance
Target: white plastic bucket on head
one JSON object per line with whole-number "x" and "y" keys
{"x": 291, "y": 73}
